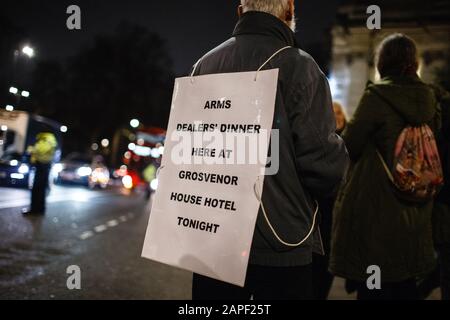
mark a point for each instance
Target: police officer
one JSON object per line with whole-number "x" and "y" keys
{"x": 149, "y": 174}
{"x": 42, "y": 154}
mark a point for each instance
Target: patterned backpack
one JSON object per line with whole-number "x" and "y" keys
{"x": 417, "y": 172}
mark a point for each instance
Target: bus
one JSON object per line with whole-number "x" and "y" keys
{"x": 140, "y": 158}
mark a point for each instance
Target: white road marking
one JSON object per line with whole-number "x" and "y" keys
{"x": 103, "y": 227}
{"x": 100, "y": 228}
{"x": 24, "y": 200}
{"x": 85, "y": 235}
{"x": 112, "y": 223}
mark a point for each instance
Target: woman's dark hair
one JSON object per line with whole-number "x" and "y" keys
{"x": 397, "y": 56}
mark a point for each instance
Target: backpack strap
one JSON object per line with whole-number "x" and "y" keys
{"x": 385, "y": 100}
{"x": 385, "y": 166}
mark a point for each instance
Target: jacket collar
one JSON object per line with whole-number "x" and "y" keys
{"x": 408, "y": 79}
{"x": 254, "y": 22}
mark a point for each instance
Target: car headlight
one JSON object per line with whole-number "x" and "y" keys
{"x": 154, "y": 184}
{"x": 58, "y": 167}
{"x": 24, "y": 169}
{"x": 84, "y": 171}
{"x": 100, "y": 174}
{"x": 17, "y": 176}
{"x": 127, "y": 182}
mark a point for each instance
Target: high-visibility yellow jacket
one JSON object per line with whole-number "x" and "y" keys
{"x": 44, "y": 149}
{"x": 149, "y": 173}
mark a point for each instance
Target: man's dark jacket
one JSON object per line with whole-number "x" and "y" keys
{"x": 312, "y": 157}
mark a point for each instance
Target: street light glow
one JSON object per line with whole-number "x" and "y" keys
{"x": 25, "y": 94}
{"x": 29, "y": 51}
{"x": 105, "y": 143}
{"x": 127, "y": 182}
{"x": 13, "y": 90}
{"x": 9, "y": 108}
{"x": 134, "y": 123}
{"x": 4, "y": 128}
{"x": 63, "y": 129}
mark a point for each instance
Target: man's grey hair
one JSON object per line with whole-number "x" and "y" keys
{"x": 275, "y": 7}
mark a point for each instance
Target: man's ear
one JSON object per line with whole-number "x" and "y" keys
{"x": 290, "y": 13}
{"x": 240, "y": 11}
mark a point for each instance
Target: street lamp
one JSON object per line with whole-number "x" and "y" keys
{"x": 13, "y": 90}
{"x": 25, "y": 94}
{"x": 134, "y": 123}
{"x": 28, "y": 51}
{"x": 63, "y": 129}
{"x": 9, "y": 108}
{"x": 105, "y": 143}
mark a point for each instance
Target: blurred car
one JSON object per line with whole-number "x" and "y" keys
{"x": 14, "y": 172}
{"x": 83, "y": 170}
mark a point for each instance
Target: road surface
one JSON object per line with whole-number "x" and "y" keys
{"x": 102, "y": 233}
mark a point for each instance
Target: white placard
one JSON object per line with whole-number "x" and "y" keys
{"x": 204, "y": 211}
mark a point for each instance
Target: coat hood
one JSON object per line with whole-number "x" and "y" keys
{"x": 414, "y": 100}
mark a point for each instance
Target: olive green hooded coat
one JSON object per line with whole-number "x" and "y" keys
{"x": 371, "y": 226}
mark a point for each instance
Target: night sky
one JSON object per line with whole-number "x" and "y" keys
{"x": 190, "y": 27}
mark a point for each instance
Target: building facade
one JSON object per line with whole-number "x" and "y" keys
{"x": 354, "y": 45}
